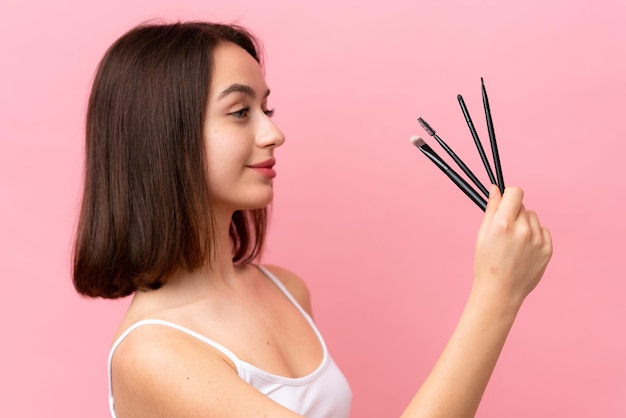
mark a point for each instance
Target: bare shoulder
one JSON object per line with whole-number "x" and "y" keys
{"x": 296, "y": 286}
{"x": 158, "y": 371}
{"x": 149, "y": 364}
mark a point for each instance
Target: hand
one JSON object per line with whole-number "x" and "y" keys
{"x": 512, "y": 250}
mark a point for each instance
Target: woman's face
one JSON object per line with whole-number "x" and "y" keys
{"x": 239, "y": 133}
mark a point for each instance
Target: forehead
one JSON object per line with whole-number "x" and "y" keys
{"x": 233, "y": 64}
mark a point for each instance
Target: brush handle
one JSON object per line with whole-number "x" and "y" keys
{"x": 462, "y": 165}
{"x": 492, "y": 138}
{"x": 479, "y": 145}
{"x": 453, "y": 155}
{"x": 454, "y": 176}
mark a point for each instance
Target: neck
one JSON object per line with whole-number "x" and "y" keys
{"x": 221, "y": 264}
{"x": 218, "y": 271}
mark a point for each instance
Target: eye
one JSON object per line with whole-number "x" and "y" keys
{"x": 269, "y": 112}
{"x": 241, "y": 113}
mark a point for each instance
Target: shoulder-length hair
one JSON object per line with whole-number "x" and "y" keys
{"x": 146, "y": 209}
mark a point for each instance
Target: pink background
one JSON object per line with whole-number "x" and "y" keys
{"x": 384, "y": 240}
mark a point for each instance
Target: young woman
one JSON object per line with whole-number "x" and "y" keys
{"x": 180, "y": 149}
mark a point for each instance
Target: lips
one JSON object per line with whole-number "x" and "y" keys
{"x": 264, "y": 168}
{"x": 264, "y": 164}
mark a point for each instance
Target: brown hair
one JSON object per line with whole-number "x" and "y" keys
{"x": 146, "y": 208}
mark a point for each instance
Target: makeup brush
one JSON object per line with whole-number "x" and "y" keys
{"x": 456, "y": 159}
{"x": 479, "y": 144}
{"x": 492, "y": 138}
{"x": 453, "y": 175}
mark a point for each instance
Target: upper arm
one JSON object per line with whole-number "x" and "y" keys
{"x": 295, "y": 285}
{"x": 159, "y": 373}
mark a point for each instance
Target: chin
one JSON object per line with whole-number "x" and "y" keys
{"x": 259, "y": 202}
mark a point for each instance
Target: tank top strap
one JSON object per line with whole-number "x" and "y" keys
{"x": 283, "y": 289}
{"x": 293, "y": 300}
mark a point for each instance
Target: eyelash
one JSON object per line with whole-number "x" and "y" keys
{"x": 243, "y": 112}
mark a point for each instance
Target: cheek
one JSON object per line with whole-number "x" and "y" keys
{"x": 225, "y": 153}
{"x": 227, "y": 142}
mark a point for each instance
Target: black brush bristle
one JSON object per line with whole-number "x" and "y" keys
{"x": 426, "y": 127}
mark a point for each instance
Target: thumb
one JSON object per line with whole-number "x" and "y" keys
{"x": 494, "y": 200}
{"x": 492, "y": 206}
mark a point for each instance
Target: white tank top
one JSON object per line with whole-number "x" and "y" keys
{"x": 324, "y": 393}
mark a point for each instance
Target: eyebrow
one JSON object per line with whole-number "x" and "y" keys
{"x": 241, "y": 88}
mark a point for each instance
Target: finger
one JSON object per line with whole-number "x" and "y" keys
{"x": 511, "y": 204}
{"x": 494, "y": 201}
{"x": 523, "y": 214}
{"x": 535, "y": 229}
{"x": 533, "y": 219}
{"x": 547, "y": 239}
{"x": 490, "y": 210}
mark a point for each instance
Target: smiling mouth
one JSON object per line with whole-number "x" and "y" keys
{"x": 264, "y": 164}
{"x": 265, "y": 168}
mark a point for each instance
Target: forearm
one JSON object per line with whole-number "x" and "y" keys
{"x": 456, "y": 384}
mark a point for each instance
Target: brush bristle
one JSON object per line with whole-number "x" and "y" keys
{"x": 417, "y": 141}
{"x": 426, "y": 127}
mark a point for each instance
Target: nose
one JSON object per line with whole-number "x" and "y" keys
{"x": 269, "y": 135}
